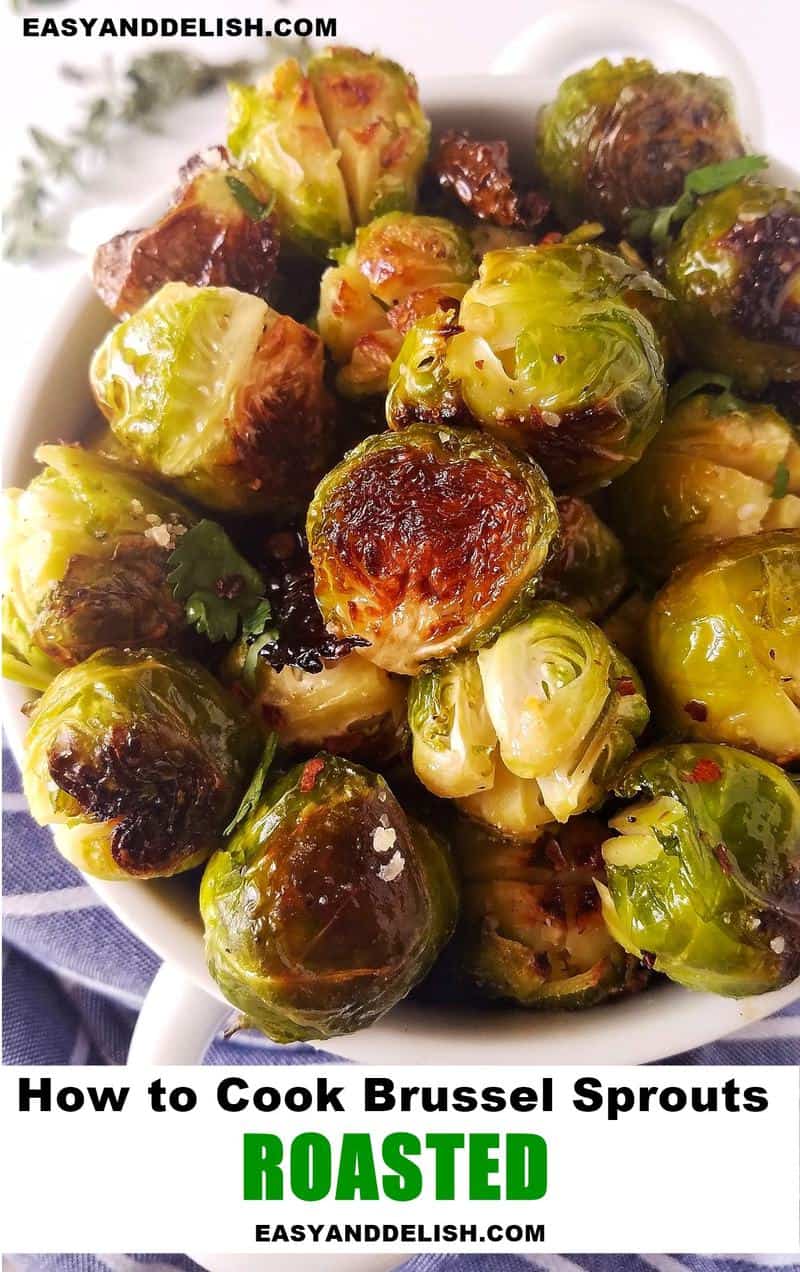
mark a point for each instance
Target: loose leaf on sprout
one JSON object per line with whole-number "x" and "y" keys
{"x": 780, "y": 484}
{"x": 253, "y": 207}
{"x": 693, "y": 381}
{"x": 219, "y": 588}
{"x": 253, "y": 793}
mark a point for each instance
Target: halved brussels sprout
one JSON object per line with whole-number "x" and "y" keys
{"x": 219, "y": 231}
{"x": 723, "y": 642}
{"x": 551, "y": 352}
{"x": 350, "y": 707}
{"x": 85, "y": 552}
{"x": 136, "y": 759}
{"x": 735, "y": 272}
{"x": 532, "y": 931}
{"x": 277, "y": 131}
{"x": 718, "y": 468}
{"x": 513, "y": 805}
{"x": 620, "y": 137}
{"x": 549, "y": 700}
{"x": 327, "y": 905}
{"x": 423, "y": 541}
{"x": 400, "y": 268}
{"x": 587, "y": 572}
{"x": 703, "y": 876}
{"x": 220, "y": 394}
{"x": 372, "y": 113}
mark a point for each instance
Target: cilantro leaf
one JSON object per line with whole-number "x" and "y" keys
{"x": 693, "y": 381}
{"x": 253, "y": 793}
{"x": 780, "y": 485}
{"x": 250, "y": 205}
{"x": 656, "y": 223}
{"x": 718, "y": 176}
{"x": 219, "y": 589}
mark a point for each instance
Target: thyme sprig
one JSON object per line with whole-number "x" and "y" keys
{"x": 137, "y": 96}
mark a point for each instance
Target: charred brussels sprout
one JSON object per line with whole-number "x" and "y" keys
{"x": 587, "y": 571}
{"x": 219, "y": 232}
{"x": 718, "y": 468}
{"x": 703, "y": 875}
{"x": 136, "y": 759}
{"x": 86, "y": 550}
{"x": 349, "y": 707}
{"x": 371, "y": 110}
{"x": 327, "y": 905}
{"x": 532, "y": 930}
{"x": 549, "y": 700}
{"x": 550, "y": 351}
{"x": 422, "y": 541}
{"x": 401, "y": 268}
{"x": 735, "y": 272}
{"x": 723, "y": 642}
{"x": 620, "y": 137}
{"x": 277, "y": 131}
{"x": 215, "y": 391}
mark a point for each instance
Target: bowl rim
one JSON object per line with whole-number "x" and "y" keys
{"x": 639, "y": 1029}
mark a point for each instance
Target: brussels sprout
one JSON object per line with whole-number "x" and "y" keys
{"x": 350, "y": 707}
{"x": 327, "y": 905}
{"x": 718, "y": 468}
{"x": 422, "y": 541}
{"x": 401, "y": 268}
{"x": 723, "y": 646}
{"x": 549, "y": 700}
{"x": 277, "y": 131}
{"x": 735, "y": 272}
{"x": 703, "y": 876}
{"x": 513, "y": 805}
{"x": 372, "y": 113}
{"x": 136, "y": 759}
{"x": 215, "y": 391}
{"x": 551, "y": 352}
{"x": 587, "y": 572}
{"x": 86, "y": 547}
{"x": 620, "y": 137}
{"x": 531, "y": 930}
{"x": 218, "y": 231}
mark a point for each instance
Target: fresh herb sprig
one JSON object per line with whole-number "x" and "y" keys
{"x": 220, "y": 590}
{"x": 136, "y": 97}
{"x": 253, "y": 793}
{"x": 657, "y": 224}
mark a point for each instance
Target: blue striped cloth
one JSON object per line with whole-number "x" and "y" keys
{"x": 73, "y": 979}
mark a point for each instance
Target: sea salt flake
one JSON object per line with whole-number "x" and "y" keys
{"x": 160, "y": 535}
{"x": 778, "y": 944}
{"x": 384, "y": 838}
{"x": 393, "y": 868}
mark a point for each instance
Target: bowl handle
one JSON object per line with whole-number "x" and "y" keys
{"x": 673, "y": 37}
{"x": 177, "y": 1022}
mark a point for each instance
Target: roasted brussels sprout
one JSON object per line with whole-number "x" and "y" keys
{"x": 349, "y": 707}
{"x": 549, "y": 351}
{"x": 531, "y": 930}
{"x": 587, "y": 571}
{"x": 735, "y": 272}
{"x": 136, "y": 759}
{"x": 620, "y": 137}
{"x": 703, "y": 876}
{"x": 277, "y": 131}
{"x": 423, "y": 541}
{"x": 371, "y": 110}
{"x": 86, "y": 547}
{"x": 400, "y": 268}
{"x": 718, "y": 468}
{"x": 549, "y": 700}
{"x": 723, "y": 646}
{"x": 327, "y": 905}
{"x": 218, "y": 231}
{"x": 213, "y": 390}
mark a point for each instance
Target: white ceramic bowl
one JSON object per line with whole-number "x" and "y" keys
{"x": 184, "y": 1008}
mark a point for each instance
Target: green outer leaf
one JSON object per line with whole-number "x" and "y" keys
{"x": 692, "y": 382}
{"x": 253, "y": 792}
{"x": 250, "y": 205}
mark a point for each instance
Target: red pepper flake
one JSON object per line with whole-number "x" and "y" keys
{"x": 625, "y": 687}
{"x": 479, "y": 363}
{"x": 722, "y": 856}
{"x": 705, "y": 771}
{"x": 697, "y": 710}
{"x": 648, "y": 959}
{"x": 553, "y": 237}
{"x": 311, "y": 772}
